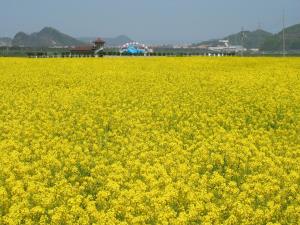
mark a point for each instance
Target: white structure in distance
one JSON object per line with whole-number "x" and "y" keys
{"x": 135, "y": 48}
{"x": 226, "y": 47}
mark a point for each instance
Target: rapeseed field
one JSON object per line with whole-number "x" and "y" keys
{"x": 150, "y": 141}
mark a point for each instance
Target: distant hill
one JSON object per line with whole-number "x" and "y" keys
{"x": 110, "y": 42}
{"x": 292, "y": 36}
{"x": 249, "y": 39}
{"x": 5, "y": 41}
{"x": 47, "y": 37}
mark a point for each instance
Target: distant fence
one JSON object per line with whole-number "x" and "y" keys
{"x": 116, "y": 54}
{"x": 113, "y": 52}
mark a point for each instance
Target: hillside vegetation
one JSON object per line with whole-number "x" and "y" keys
{"x": 262, "y": 40}
{"x": 249, "y": 39}
{"x": 292, "y": 37}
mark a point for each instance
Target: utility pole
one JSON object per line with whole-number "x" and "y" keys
{"x": 242, "y": 33}
{"x": 283, "y": 34}
{"x": 259, "y": 26}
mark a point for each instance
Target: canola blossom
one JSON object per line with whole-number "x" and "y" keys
{"x": 150, "y": 141}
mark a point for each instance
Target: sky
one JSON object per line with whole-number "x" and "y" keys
{"x": 149, "y": 21}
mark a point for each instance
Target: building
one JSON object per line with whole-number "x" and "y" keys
{"x": 94, "y": 49}
{"x": 225, "y": 47}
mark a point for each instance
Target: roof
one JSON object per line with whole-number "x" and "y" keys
{"x": 99, "y": 40}
{"x": 83, "y": 48}
{"x": 86, "y": 48}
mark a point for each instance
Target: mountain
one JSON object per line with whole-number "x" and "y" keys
{"x": 249, "y": 39}
{"x": 292, "y": 37}
{"x": 110, "y": 42}
{"x": 5, "y": 41}
{"x": 47, "y": 37}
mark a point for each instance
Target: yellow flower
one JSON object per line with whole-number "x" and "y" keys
{"x": 190, "y": 140}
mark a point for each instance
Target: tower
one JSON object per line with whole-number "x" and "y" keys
{"x": 99, "y": 44}
{"x": 283, "y": 34}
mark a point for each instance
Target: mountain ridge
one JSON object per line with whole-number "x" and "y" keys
{"x": 292, "y": 39}
{"x": 249, "y": 39}
{"x": 47, "y": 37}
{"x": 261, "y": 39}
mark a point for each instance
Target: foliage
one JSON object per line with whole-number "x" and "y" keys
{"x": 149, "y": 141}
{"x": 292, "y": 39}
{"x": 249, "y": 39}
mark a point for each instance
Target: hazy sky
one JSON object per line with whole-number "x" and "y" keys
{"x": 147, "y": 20}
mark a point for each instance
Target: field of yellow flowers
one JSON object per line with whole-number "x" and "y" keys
{"x": 150, "y": 141}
